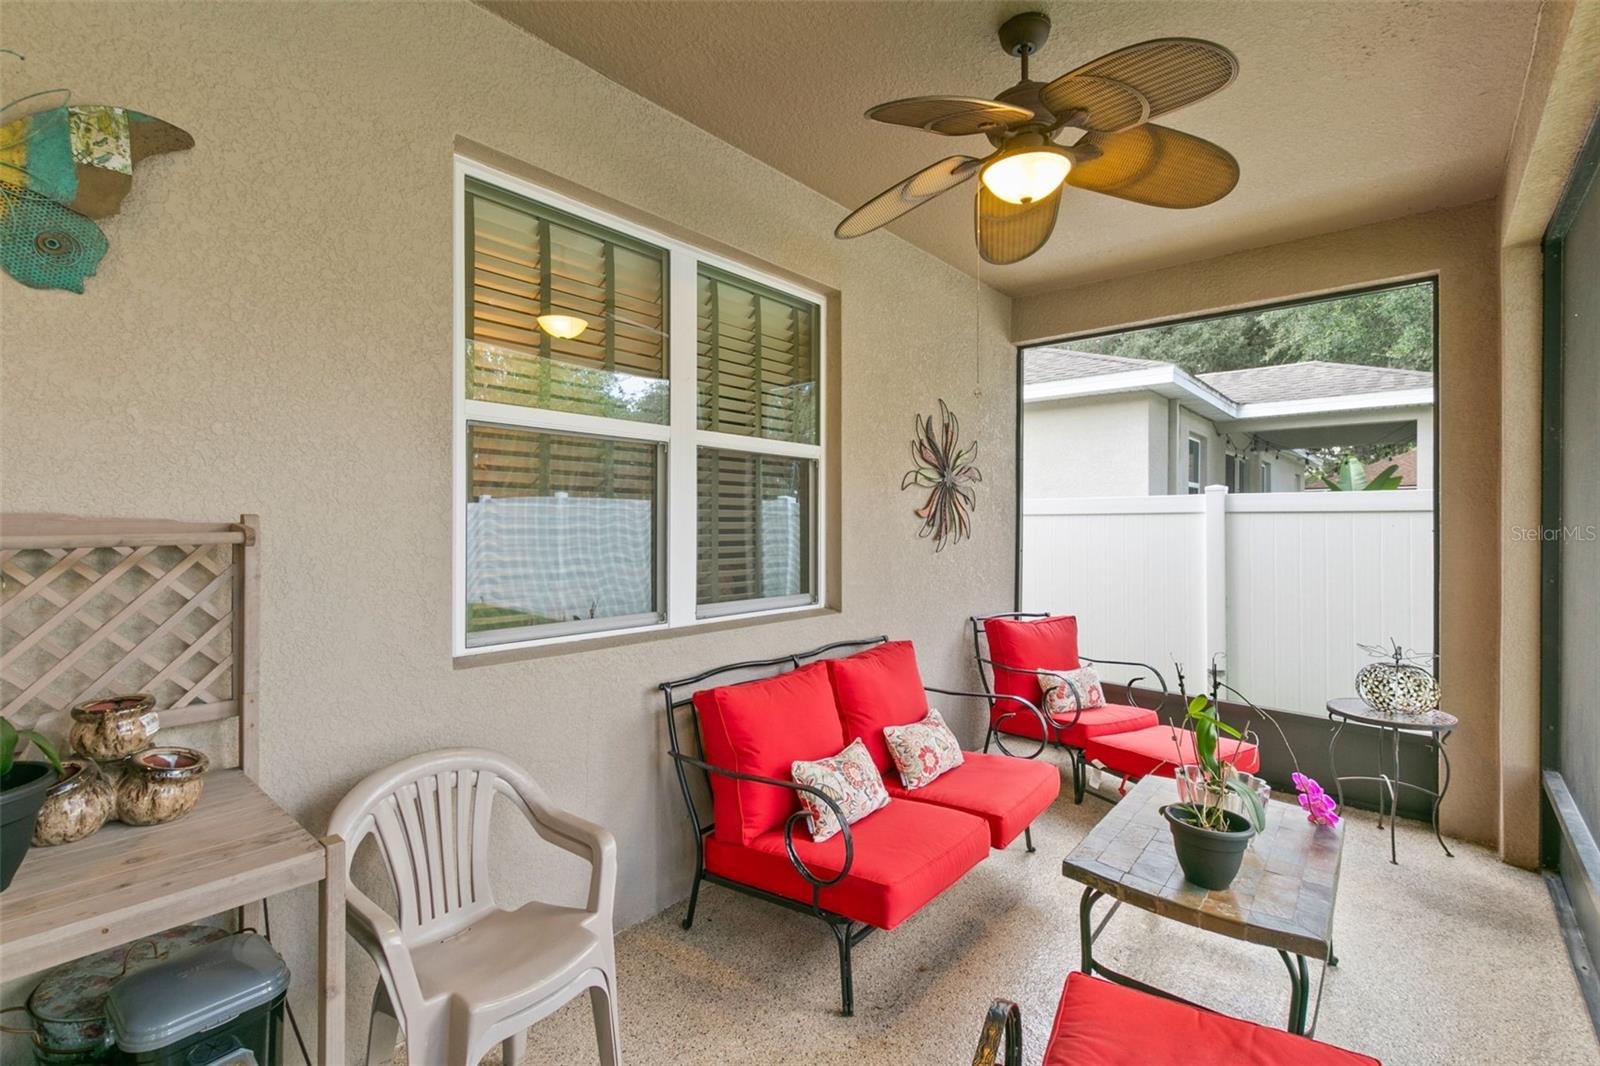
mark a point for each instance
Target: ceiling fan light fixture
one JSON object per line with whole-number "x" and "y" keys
{"x": 565, "y": 327}
{"x": 1027, "y": 173}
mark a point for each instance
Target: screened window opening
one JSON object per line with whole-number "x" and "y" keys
{"x": 584, "y": 502}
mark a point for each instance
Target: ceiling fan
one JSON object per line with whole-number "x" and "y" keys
{"x": 1119, "y": 152}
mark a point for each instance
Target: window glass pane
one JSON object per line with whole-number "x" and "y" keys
{"x": 561, "y": 529}
{"x": 758, "y": 360}
{"x": 528, "y": 261}
{"x": 755, "y": 527}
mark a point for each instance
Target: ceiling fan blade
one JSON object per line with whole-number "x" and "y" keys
{"x": 1009, "y": 233}
{"x": 953, "y": 116}
{"x": 1169, "y": 72}
{"x": 1102, "y": 105}
{"x": 901, "y": 197}
{"x": 1158, "y": 166}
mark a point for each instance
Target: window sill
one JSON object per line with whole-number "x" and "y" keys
{"x": 602, "y": 641}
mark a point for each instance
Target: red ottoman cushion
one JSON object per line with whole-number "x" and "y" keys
{"x": 1007, "y": 793}
{"x": 761, "y": 727}
{"x": 876, "y": 688}
{"x": 1028, "y": 644}
{"x": 905, "y": 854}
{"x": 1102, "y": 1024}
{"x": 1160, "y": 749}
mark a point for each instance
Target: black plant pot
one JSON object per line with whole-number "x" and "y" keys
{"x": 22, "y": 793}
{"x": 1209, "y": 857}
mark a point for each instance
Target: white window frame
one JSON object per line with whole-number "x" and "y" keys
{"x": 681, "y": 435}
{"x": 1196, "y": 448}
{"x": 1265, "y": 484}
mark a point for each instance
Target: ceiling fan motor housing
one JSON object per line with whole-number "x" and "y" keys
{"x": 1025, "y": 34}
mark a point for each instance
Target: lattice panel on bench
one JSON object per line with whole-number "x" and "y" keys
{"x": 83, "y": 622}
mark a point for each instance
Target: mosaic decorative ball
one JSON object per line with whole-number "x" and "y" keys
{"x": 1398, "y": 688}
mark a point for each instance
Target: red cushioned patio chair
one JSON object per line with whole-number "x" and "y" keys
{"x": 1015, "y": 649}
{"x": 876, "y": 872}
{"x": 1099, "y": 1023}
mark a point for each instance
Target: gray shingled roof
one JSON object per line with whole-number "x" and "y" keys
{"x": 1062, "y": 364}
{"x": 1310, "y": 380}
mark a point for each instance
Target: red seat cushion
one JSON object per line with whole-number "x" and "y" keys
{"x": 1160, "y": 749}
{"x": 905, "y": 854}
{"x": 1028, "y": 644}
{"x": 1092, "y": 722}
{"x": 1103, "y": 1024}
{"x": 761, "y": 727}
{"x": 876, "y": 688}
{"x": 1007, "y": 793}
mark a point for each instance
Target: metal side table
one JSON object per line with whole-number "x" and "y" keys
{"x": 1437, "y": 725}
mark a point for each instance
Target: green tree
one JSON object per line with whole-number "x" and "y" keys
{"x": 1392, "y": 328}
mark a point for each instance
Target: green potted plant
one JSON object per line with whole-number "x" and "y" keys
{"x": 1210, "y": 838}
{"x": 23, "y": 784}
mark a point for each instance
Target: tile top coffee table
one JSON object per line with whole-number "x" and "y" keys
{"x": 1283, "y": 897}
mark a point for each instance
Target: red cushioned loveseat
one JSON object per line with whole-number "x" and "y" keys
{"x": 1015, "y": 650}
{"x": 878, "y": 871}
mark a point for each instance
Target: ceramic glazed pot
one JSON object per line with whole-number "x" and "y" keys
{"x": 78, "y": 804}
{"x": 22, "y": 792}
{"x": 114, "y": 727}
{"x": 1210, "y": 858}
{"x": 160, "y": 784}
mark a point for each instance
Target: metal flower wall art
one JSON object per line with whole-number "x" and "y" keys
{"x": 947, "y": 471}
{"x": 60, "y": 169}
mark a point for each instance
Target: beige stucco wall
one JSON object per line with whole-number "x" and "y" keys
{"x": 271, "y": 332}
{"x": 1559, "y": 102}
{"x": 1094, "y": 446}
{"x": 1460, "y": 246}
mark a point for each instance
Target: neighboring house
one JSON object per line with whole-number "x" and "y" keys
{"x": 1106, "y": 425}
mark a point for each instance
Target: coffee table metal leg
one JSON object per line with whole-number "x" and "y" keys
{"x": 1299, "y": 990}
{"x": 1086, "y": 930}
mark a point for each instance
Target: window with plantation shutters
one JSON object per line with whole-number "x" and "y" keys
{"x": 529, "y": 260}
{"x": 638, "y": 432}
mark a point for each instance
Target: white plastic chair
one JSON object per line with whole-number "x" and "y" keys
{"x": 460, "y": 974}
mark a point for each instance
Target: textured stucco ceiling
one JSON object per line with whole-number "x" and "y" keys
{"x": 1344, "y": 112}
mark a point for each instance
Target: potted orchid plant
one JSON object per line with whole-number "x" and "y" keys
{"x": 1220, "y": 807}
{"x": 1207, "y": 834}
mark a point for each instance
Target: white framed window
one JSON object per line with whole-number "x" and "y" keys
{"x": 1197, "y": 464}
{"x": 661, "y": 466}
{"x": 1233, "y": 473}
{"x": 1266, "y": 477}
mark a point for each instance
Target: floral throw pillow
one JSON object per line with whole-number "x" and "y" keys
{"x": 849, "y": 779}
{"x": 1058, "y": 696}
{"x": 923, "y": 750}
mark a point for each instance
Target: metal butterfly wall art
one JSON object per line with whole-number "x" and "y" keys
{"x": 60, "y": 169}
{"x": 947, "y": 471}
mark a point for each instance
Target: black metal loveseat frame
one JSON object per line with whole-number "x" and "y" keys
{"x": 679, "y": 694}
{"x": 988, "y": 669}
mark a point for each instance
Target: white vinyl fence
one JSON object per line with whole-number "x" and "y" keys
{"x": 1277, "y": 588}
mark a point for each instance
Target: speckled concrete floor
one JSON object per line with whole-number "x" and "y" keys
{"x": 1442, "y": 961}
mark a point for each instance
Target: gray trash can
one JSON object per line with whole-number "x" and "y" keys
{"x": 216, "y": 1005}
